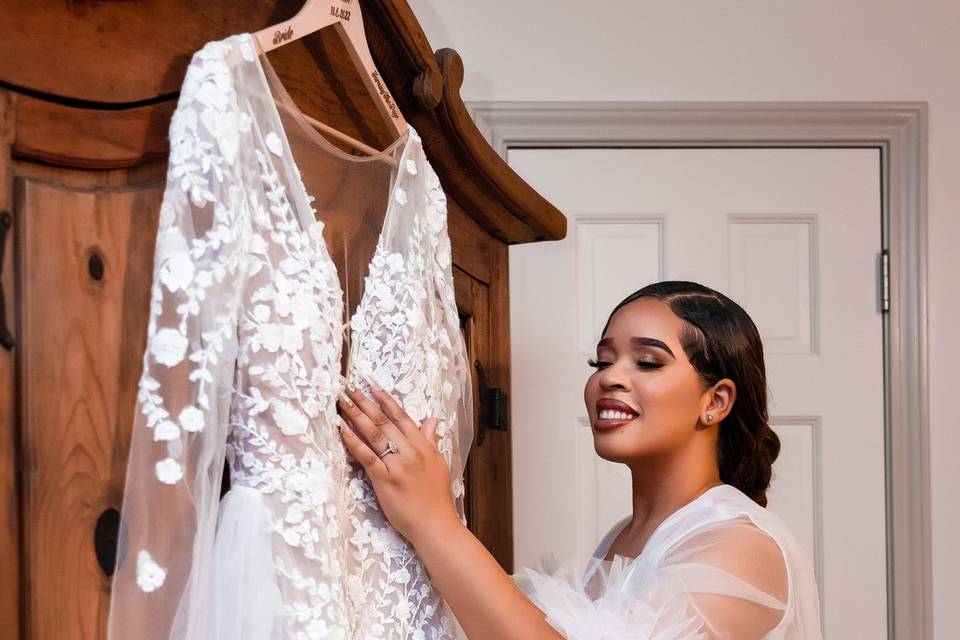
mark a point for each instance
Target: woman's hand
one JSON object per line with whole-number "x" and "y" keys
{"x": 412, "y": 484}
{"x": 413, "y": 487}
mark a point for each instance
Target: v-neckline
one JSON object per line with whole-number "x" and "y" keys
{"x": 595, "y": 561}
{"x": 303, "y": 196}
{"x": 662, "y": 526}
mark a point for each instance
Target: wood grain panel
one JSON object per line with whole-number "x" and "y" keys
{"x": 125, "y": 38}
{"x": 9, "y": 500}
{"x": 92, "y": 138}
{"x": 81, "y": 353}
{"x": 99, "y": 82}
{"x": 470, "y": 244}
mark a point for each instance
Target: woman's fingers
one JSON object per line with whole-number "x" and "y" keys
{"x": 395, "y": 412}
{"x": 429, "y": 430}
{"x": 363, "y": 454}
{"x": 361, "y": 423}
{"x": 382, "y": 419}
{"x": 373, "y": 425}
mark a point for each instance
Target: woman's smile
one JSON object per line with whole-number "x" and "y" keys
{"x": 612, "y": 413}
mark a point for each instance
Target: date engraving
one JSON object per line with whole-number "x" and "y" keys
{"x": 339, "y": 12}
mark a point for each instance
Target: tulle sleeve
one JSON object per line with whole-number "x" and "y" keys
{"x": 731, "y": 579}
{"x": 727, "y": 580}
{"x": 178, "y": 436}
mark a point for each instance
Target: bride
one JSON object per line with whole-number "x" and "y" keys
{"x": 679, "y": 395}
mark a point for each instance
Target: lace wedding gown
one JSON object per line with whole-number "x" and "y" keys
{"x": 243, "y": 362}
{"x": 720, "y": 567}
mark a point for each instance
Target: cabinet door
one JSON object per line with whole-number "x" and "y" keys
{"x": 9, "y": 503}
{"x": 480, "y": 280}
{"x": 84, "y": 243}
{"x": 85, "y": 253}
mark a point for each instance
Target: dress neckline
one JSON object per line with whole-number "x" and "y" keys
{"x": 601, "y": 553}
{"x": 302, "y": 209}
{"x": 284, "y": 96}
{"x": 599, "y": 560}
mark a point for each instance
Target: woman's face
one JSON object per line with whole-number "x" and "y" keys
{"x": 645, "y": 398}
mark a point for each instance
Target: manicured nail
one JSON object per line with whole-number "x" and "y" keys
{"x": 370, "y": 383}
{"x": 345, "y": 400}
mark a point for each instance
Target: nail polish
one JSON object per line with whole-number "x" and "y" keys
{"x": 345, "y": 400}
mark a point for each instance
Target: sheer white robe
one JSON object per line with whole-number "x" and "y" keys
{"x": 720, "y": 567}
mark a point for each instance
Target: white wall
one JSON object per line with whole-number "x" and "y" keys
{"x": 741, "y": 50}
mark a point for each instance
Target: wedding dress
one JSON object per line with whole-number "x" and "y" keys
{"x": 243, "y": 362}
{"x": 719, "y": 567}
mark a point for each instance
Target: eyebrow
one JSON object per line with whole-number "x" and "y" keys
{"x": 639, "y": 341}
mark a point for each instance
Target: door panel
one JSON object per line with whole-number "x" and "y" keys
{"x": 85, "y": 271}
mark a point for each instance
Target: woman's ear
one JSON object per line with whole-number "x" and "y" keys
{"x": 718, "y": 402}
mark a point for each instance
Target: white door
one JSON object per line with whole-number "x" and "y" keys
{"x": 793, "y": 235}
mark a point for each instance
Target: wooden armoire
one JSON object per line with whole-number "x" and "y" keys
{"x": 86, "y": 93}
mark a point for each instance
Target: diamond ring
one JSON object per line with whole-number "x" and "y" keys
{"x": 391, "y": 448}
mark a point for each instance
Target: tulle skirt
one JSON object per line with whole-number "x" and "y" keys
{"x": 245, "y": 601}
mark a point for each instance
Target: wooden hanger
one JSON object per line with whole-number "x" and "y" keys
{"x": 345, "y": 17}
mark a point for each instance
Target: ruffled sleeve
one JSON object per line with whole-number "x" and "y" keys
{"x": 727, "y": 580}
{"x": 177, "y": 445}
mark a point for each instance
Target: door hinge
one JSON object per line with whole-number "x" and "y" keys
{"x": 493, "y": 407}
{"x": 885, "y": 281}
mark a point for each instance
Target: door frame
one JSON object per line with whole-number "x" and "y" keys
{"x": 899, "y": 131}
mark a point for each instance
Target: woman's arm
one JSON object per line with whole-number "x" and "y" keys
{"x": 413, "y": 488}
{"x": 485, "y": 600}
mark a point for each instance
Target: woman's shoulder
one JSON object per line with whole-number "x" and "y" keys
{"x": 726, "y": 503}
{"x": 723, "y": 507}
{"x": 739, "y": 548}
{"x": 718, "y": 506}
{"x": 718, "y": 503}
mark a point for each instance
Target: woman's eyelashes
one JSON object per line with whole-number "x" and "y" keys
{"x": 643, "y": 364}
{"x": 648, "y": 364}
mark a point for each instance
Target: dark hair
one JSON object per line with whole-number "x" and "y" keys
{"x": 721, "y": 341}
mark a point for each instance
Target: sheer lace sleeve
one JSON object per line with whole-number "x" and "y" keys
{"x": 178, "y": 436}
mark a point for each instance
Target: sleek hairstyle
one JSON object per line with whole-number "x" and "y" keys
{"x": 721, "y": 341}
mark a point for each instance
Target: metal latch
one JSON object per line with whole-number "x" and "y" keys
{"x": 6, "y": 338}
{"x": 493, "y": 407}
